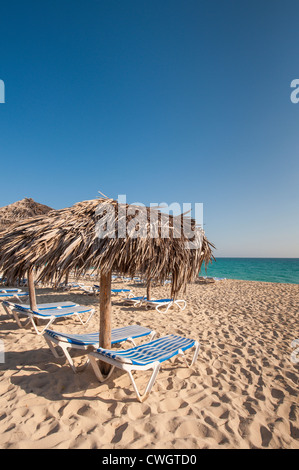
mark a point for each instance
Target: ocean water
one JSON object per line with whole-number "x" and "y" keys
{"x": 284, "y": 270}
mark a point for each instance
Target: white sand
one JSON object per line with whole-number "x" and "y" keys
{"x": 242, "y": 392}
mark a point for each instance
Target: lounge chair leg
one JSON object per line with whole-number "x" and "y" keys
{"x": 84, "y": 366}
{"x": 195, "y": 355}
{"x": 53, "y": 350}
{"x": 45, "y": 327}
{"x": 68, "y": 356}
{"x": 149, "y": 386}
{"x": 178, "y": 302}
{"x": 166, "y": 309}
{"x": 88, "y": 319}
{"x": 16, "y": 317}
{"x": 96, "y": 369}
{"x": 131, "y": 341}
{"x": 90, "y": 316}
{"x": 168, "y": 306}
{"x": 27, "y": 323}
{"x": 152, "y": 335}
{"x": 6, "y": 309}
{"x": 34, "y": 325}
{"x": 80, "y": 319}
{"x": 197, "y": 347}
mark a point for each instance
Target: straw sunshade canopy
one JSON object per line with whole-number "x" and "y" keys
{"x": 133, "y": 241}
{"x": 106, "y": 236}
{"x": 20, "y": 210}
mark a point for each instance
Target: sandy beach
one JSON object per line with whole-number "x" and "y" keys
{"x": 241, "y": 393}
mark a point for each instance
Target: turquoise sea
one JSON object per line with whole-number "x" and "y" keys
{"x": 284, "y": 270}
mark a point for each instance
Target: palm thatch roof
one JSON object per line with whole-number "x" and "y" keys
{"x": 20, "y": 210}
{"x": 106, "y": 236}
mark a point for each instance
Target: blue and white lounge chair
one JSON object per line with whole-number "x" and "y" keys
{"x": 3, "y": 291}
{"x": 95, "y": 289}
{"x": 72, "y": 285}
{"x": 89, "y": 341}
{"x": 135, "y": 301}
{"x": 146, "y": 356}
{"x": 165, "y": 304}
{"x": 120, "y": 291}
{"x": 137, "y": 279}
{"x": 12, "y": 293}
{"x": 87, "y": 289}
{"x": 211, "y": 279}
{"x": 49, "y": 312}
{"x": 91, "y": 290}
{"x": 114, "y": 291}
{"x": 10, "y": 306}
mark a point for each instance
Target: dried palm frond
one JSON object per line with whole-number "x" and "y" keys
{"x": 103, "y": 235}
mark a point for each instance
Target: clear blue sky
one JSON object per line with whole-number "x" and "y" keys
{"x": 164, "y": 101}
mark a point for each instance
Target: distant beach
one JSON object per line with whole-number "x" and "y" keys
{"x": 282, "y": 270}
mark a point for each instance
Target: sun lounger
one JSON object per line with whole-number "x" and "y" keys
{"x": 146, "y": 356}
{"x": 48, "y": 312}
{"x": 165, "y": 304}
{"x": 137, "y": 279}
{"x": 9, "y": 306}
{"x": 72, "y": 285}
{"x": 89, "y": 341}
{"x": 91, "y": 290}
{"x": 120, "y": 291}
{"x": 87, "y": 289}
{"x": 12, "y": 293}
{"x": 114, "y": 291}
{"x": 211, "y": 279}
{"x": 135, "y": 301}
{"x": 96, "y": 290}
{"x": 3, "y": 291}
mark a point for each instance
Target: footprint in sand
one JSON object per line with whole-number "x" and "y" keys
{"x": 193, "y": 428}
{"x": 266, "y": 436}
{"x": 87, "y": 411}
{"x": 138, "y": 411}
{"x": 170, "y": 404}
{"x": 249, "y": 408}
{"x": 278, "y": 394}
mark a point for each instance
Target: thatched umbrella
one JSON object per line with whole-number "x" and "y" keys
{"x": 106, "y": 236}
{"x": 20, "y": 210}
{"x": 14, "y": 213}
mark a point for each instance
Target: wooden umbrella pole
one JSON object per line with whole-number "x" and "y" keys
{"x": 148, "y": 289}
{"x": 31, "y": 289}
{"x": 105, "y": 317}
